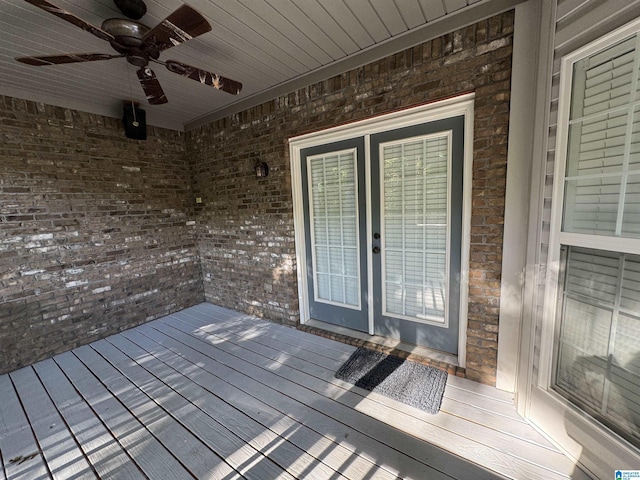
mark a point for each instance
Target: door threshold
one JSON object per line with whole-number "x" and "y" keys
{"x": 390, "y": 346}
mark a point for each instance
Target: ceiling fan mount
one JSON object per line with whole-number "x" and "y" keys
{"x": 134, "y": 9}
{"x": 140, "y": 45}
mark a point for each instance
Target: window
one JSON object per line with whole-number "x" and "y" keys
{"x": 597, "y": 360}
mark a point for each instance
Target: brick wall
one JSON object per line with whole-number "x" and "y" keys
{"x": 96, "y": 231}
{"x": 245, "y": 225}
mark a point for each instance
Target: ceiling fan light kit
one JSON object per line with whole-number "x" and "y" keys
{"x": 140, "y": 45}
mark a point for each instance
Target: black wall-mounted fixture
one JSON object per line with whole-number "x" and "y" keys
{"x": 262, "y": 170}
{"x": 135, "y": 122}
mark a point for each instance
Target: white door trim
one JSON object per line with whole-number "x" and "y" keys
{"x": 450, "y": 107}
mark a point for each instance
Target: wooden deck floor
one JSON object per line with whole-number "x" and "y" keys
{"x": 209, "y": 393}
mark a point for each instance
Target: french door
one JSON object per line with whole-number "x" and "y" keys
{"x": 383, "y": 232}
{"x": 335, "y": 228}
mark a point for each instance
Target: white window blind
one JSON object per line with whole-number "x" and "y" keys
{"x": 602, "y": 182}
{"x": 334, "y": 222}
{"x": 415, "y": 216}
{"x": 599, "y": 354}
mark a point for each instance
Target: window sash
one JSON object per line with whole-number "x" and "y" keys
{"x": 602, "y": 177}
{"x": 598, "y": 357}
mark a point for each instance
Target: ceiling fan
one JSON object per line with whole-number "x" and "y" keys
{"x": 140, "y": 45}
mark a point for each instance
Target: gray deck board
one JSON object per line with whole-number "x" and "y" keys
{"x": 508, "y": 454}
{"x": 105, "y": 454}
{"x": 276, "y": 412}
{"x": 213, "y": 393}
{"x": 20, "y": 453}
{"x": 62, "y": 454}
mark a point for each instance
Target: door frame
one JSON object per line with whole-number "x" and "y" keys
{"x": 462, "y": 105}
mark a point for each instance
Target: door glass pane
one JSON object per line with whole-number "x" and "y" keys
{"x": 598, "y": 364}
{"x": 334, "y": 226}
{"x": 415, "y": 191}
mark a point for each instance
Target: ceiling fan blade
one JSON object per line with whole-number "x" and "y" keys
{"x": 182, "y": 25}
{"x": 71, "y": 18}
{"x": 151, "y": 86}
{"x": 66, "y": 58}
{"x": 212, "y": 79}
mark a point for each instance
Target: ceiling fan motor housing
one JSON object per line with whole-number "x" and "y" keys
{"x": 129, "y": 40}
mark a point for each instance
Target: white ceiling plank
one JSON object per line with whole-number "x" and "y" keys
{"x": 27, "y": 24}
{"x": 76, "y": 82}
{"x": 565, "y": 7}
{"x": 367, "y": 15}
{"x": 288, "y": 30}
{"x": 323, "y": 20}
{"x": 283, "y": 47}
{"x": 230, "y": 55}
{"x": 453, "y": 5}
{"x": 300, "y": 18}
{"x": 411, "y": 13}
{"x": 339, "y": 11}
{"x": 390, "y": 15}
{"x": 92, "y": 11}
{"x": 252, "y": 41}
{"x": 432, "y": 9}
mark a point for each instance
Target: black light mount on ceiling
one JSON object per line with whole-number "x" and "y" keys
{"x": 134, "y": 9}
{"x": 261, "y": 169}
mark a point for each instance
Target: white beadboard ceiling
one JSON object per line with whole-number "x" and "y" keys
{"x": 272, "y": 46}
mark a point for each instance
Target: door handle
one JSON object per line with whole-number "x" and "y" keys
{"x": 376, "y": 250}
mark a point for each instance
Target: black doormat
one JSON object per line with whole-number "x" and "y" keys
{"x": 408, "y": 382}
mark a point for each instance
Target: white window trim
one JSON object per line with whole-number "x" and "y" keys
{"x": 450, "y": 107}
{"x": 556, "y": 236}
{"x": 609, "y": 448}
